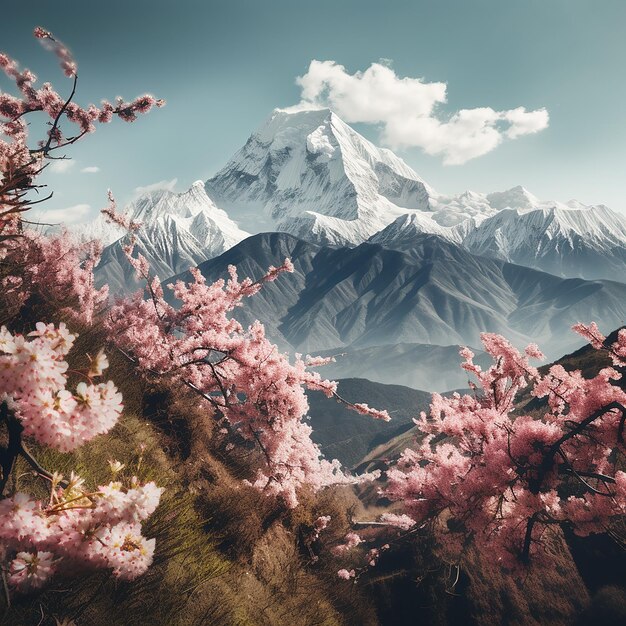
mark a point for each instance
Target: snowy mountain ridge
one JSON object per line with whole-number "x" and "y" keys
{"x": 179, "y": 231}
{"x": 307, "y": 173}
{"x": 565, "y": 240}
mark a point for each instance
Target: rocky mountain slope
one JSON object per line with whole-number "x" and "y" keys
{"x": 345, "y": 435}
{"x": 435, "y": 293}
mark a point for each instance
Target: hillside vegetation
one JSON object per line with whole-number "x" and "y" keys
{"x": 227, "y": 554}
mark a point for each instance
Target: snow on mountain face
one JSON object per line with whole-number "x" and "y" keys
{"x": 515, "y": 198}
{"x": 310, "y": 174}
{"x": 588, "y": 242}
{"x": 570, "y": 240}
{"x": 403, "y": 232}
{"x": 454, "y": 211}
{"x": 178, "y": 231}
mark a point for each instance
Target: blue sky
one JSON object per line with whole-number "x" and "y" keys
{"x": 223, "y": 66}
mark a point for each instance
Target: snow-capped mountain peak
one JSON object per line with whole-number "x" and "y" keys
{"x": 166, "y": 202}
{"x": 178, "y": 231}
{"x": 515, "y": 198}
{"x": 306, "y": 171}
{"x": 566, "y": 240}
{"x": 404, "y": 231}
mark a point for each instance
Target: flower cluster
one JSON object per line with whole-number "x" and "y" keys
{"x": 346, "y": 574}
{"x": 369, "y": 558}
{"x": 320, "y": 524}
{"x": 33, "y": 384}
{"x": 617, "y": 350}
{"x": 67, "y": 62}
{"x": 19, "y": 164}
{"x": 55, "y": 269}
{"x": 351, "y": 541}
{"x": 77, "y": 530}
{"x": 503, "y": 477}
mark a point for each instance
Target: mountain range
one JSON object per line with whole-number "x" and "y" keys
{"x": 370, "y": 300}
{"x": 311, "y": 175}
{"x": 389, "y": 272}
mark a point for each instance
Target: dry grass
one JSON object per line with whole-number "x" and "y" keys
{"x": 185, "y": 555}
{"x": 544, "y": 595}
{"x": 607, "y": 608}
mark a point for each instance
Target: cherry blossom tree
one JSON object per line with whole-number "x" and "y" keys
{"x": 252, "y": 387}
{"x": 29, "y": 259}
{"x": 254, "y": 390}
{"x": 490, "y": 474}
{"x": 76, "y": 527}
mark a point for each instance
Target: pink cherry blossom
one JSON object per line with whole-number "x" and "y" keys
{"x": 501, "y": 477}
{"x": 77, "y": 528}
{"x": 33, "y": 379}
{"x": 20, "y": 163}
{"x": 351, "y": 541}
{"x": 198, "y": 344}
{"x": 30, "y": 570}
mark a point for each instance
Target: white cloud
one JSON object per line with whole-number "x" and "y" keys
{"x": 525, "y": 122}
{"x": 61, "y": 166}
{"x": 68, "y": 215}
{"x": 170, "y": 185}
{"x": 408, "y": 109}
{"x": 90, "y": 169}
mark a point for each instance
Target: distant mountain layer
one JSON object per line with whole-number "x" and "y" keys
{"x": 589, "y": 242}
{"x": 417, "y": 365}
{"x": 434, "y": 293}
{"x": 345, "y": 435}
